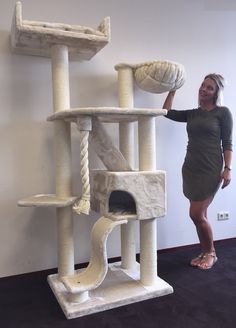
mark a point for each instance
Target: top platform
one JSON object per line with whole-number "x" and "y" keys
{"x": 37, "y": 38}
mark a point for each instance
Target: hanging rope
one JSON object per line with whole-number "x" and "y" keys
{"x": 83, "y": 205}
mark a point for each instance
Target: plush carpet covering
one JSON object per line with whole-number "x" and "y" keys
{"x": 200, "y": 299}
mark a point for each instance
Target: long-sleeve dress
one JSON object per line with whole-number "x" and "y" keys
{"x": 209, "y": 134}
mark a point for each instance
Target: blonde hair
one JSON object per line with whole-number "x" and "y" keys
{"x": 220, "y": 82}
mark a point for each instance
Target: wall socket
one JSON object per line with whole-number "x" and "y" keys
{"x": 222, "y": 216}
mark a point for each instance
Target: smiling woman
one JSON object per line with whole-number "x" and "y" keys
{"x": 209, "y": 129}
{"x": 211, "y": 89}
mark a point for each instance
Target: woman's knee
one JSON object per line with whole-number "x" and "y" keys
{"x": 196, "y": 215}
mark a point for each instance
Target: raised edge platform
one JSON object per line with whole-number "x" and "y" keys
{"x": 120, "y": 287}
{"x": 37, "y": 38}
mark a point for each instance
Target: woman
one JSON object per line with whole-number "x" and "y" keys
{"x": 207, "y": 164}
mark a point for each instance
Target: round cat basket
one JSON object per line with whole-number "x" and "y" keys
{"x": 159, "y": 76}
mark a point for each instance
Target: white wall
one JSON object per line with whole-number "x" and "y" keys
{"x": 199, "y": 34}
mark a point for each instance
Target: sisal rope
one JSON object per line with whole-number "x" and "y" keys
{"x": 83, "y": 205}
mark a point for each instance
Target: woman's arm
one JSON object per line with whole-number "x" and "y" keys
{"x": 226, "y": 132}
{"x": 169, "y": 100}
{"x": 226, "y": 174}
{"x": 172, "y": 114}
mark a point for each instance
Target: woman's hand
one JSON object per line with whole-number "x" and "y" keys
{"x": 226, "y": 178}
{"x": 169, "y": 100}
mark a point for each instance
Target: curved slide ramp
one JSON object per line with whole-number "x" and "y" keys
{"x": 96, "y": 271}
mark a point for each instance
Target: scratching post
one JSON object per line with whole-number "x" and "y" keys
{"x": 126, "y": 141}
{"x": 62, "y": 140}
{"x": 147, "y": 162}
{"x": 126, "y": 130}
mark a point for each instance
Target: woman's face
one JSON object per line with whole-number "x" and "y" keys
{"x": 208, "y": 91}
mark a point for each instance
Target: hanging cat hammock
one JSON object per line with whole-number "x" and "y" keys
{"x": 157, "y": 76}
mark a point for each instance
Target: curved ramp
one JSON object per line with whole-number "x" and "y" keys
{"x": 96, "y": 271}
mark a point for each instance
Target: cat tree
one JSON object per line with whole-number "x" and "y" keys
{"x": 120, "y": 194}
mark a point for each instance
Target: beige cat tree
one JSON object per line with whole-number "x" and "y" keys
{"x": 120, "y": 194}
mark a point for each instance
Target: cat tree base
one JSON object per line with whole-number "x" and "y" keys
{"x": 120, "y": 287}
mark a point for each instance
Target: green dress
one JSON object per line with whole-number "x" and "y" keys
{"x": 209, "y": 134}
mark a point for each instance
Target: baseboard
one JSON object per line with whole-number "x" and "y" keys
{"x": 117, "y": 259}
{"x": 193, "y": 246}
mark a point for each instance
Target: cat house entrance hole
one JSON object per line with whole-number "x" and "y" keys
{"x": 122, "y": 202}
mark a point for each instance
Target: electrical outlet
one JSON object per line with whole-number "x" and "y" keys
{"x": 226, "y": 215}
{"x": 222, "y": 216}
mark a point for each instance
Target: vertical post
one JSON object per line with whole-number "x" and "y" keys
{"x": 62, "y": 139}
{"x": 147, "y": 162}
{"x": 126, "y": 141}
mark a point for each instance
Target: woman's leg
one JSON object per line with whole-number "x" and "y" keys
{"x": 198, "y": 214}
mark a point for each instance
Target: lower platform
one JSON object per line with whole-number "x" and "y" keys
{"x": 120, "y": 287}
